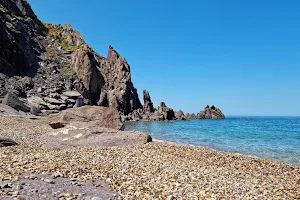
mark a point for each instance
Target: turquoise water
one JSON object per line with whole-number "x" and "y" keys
{"x": 276, "y": 138}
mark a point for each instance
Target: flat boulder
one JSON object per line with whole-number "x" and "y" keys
{"x": 53, "y": 101}
{"x": 7, "y": 110}
{"x": 86, "y": 135}
{"x": 13, "y": 101}
{"x": 102, "y": 116}
{"x": 5, "y": 142}
{"x": 72, "y": 94}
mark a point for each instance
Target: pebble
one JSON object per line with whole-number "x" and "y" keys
{"x": 48, "y": 181}
{"x": 170, "y": 197}
{"x": 4, "y": 185}
{"x": 97, "y": 198}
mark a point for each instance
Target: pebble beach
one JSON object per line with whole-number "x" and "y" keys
{"x": 156, "y": 170}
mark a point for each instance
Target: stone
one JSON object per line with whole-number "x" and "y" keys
{"x": 53, "y": 101}
{"x": 5, "y": 185}
{"x": 90, "y": 134}
{"x": 5, "y": 142}
{"x": 103, "y": 101}
{"x": 105, "y": 117}
{"x": 7, "y": 110}
{"x": 79, "y": 102}
{"x": 97, "y": 198}
{"x": 72, "y": 94}
{"x": 13, "y": 101}
{"x": 48, "y": 181}
{"x": 35, "y": 109}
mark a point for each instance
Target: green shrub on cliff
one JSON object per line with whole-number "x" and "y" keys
{"x": 67, "y": 71}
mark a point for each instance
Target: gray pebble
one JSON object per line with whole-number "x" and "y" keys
{"x": 48, "y": 181}
{"x": 97, "y": 198}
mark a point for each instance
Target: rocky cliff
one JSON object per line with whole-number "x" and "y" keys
{"x": 46, "y": 60}
{"x": 46, "y": 68}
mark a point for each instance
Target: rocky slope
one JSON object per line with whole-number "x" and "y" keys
{"x": 47, "y": 68}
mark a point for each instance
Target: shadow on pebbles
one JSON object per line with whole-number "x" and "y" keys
{"x": 35, "y": 186}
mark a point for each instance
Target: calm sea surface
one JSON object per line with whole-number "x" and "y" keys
{"x": 276, "y": 138}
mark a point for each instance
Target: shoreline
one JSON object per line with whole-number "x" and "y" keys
{"x": 225, "y": 152}
{"x": 156, "y": 170}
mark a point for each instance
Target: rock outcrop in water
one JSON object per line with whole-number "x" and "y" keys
{"x": 210, "y": 113}
{"x": 42, "y": 64}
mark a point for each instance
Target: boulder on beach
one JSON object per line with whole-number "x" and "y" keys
{"x": 105, "y": 117}
{"x": 13, "y": 101}
{"x": 86, "y": 134}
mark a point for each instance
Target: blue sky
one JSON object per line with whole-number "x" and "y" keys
{"x": 241, "y": 56}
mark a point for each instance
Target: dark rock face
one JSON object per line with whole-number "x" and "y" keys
{"x": 148, "y": 105}
{"x": 211, "y": 113}
{"x": 19, "y": 49}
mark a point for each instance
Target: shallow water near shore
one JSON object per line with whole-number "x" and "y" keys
{"x": 276, "y": 138}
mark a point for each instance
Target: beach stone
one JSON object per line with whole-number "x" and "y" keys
{"x": 86, "y": 134}
{"x": 7, "y": 110}
{"x": 72, "y": 94}
{"x": 4, "y": 142}
{"x": 35, "y": 109}
{"x": 171, "y": 197}
{"x": 97, "y": 198}
{"x": 13, "y": 101}
{"x": 53, "y": 101}
{"x": 5, "y": 184}
{"x": 105, "y": 117}
{"x": 48, "y": 181}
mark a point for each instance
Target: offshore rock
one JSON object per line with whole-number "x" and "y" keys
{"x": 211, "y": 113}
{"x": 191, "y": 116}
{"x": 179, "y": 115}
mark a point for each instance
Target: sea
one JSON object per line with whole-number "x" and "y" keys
{"x": 274, "y": 138}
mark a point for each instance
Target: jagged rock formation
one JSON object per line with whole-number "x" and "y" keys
{"x": 42, "y": 63}
{"x": 191, "y": 116}
{"x": 45, "y": 60}
{"x": 148, "y": 105}
{"x": 211, "y": 113}
{"x": 179, "y": 115}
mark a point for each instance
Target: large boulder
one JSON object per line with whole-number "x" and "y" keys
{"x": 103, "y": 116}
{"x": 210, "y": 113}
{"x": 13, "y": 101}
{"x": 86, "y": 134}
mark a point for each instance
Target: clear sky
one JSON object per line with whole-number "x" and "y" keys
{"x": 241, "y": 56}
